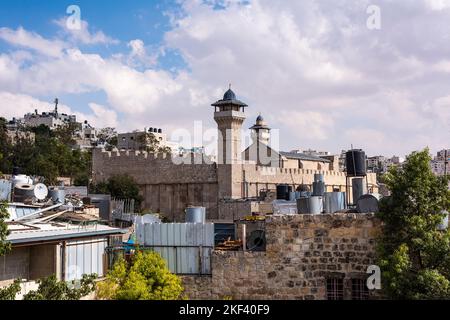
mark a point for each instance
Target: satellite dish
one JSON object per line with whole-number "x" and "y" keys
{"x": 40, "y": 191}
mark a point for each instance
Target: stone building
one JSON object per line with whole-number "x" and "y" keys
{"x": 169, "y": 183}
{"x": 307, "y": 257}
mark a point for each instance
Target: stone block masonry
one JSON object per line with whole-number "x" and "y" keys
{"x": 302, "y": 252}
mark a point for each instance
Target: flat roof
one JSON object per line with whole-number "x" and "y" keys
{"x": 41, "y": 232}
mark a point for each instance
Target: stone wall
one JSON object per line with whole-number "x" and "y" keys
{"x": 302, "y": 252}
{"x": 169, "y": 184}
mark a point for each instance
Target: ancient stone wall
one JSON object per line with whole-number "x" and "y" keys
{"x": 302, "y": 252}
{"x": 167, "y": 184}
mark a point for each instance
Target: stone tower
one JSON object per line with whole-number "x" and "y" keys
{"x": 229, "y": 116}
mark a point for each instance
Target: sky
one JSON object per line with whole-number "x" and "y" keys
{"x": 327, "y": 74}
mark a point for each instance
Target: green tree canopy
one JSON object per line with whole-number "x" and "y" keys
{"x": 119, "y": 186}
{"x": 145, "y": 278}
{"x": 414, "y": 254}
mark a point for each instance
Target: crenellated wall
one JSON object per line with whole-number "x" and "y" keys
{"x": 170, "y": 183}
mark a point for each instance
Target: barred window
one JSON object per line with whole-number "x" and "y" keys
{"x": 359, "y": 289}
{"x": 335, "y": 289}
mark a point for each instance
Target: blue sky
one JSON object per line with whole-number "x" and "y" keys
{"x": 315, "y": 70}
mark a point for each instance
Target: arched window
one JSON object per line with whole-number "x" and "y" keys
{"x": 319, "y": 166}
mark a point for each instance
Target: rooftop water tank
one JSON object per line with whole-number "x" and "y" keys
{"x": 333, "y": 202}
{"x": 367, "y": 203}
{"x": 57, "y": 194}
{"x": 283, "y": 191}
{"x": 311, "y": 205}
{"x": 355, "y": 161}
{"x": 195, "y": 214}
{"x": 23, "y": 192}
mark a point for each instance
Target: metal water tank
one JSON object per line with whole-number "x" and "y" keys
{"x": 311, "y": 205}
{"x": 21, "y": 179}
{"x": 355, "y": 162}
{"x": 333, "y": 201}
{"x": 195, "y": 214}
{"x": 358, "y": 188}
{"x": 23, "y": 192}
{"x": 57, "y": 194}
{"x": 318, "y": 177}
{"x": 318, "y": 188}
{"x": 283, "y": 191}
{"x": 367, "y": 203}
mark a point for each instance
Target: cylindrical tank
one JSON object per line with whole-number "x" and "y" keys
{"x": 311, "y": 205}
{"x": 23, "y": 191}
{"x": 358, "y": 188}
{"x": 318, "y": 188}
{"x": 318, "y": 177}
{"x": 21, "y": 179}
{"x": 355, "y": 161}
{"x": 367, "y": 203}
{"x": 195, "y": 214}
{"x": 292, "y": 196}
{"x": 57, "y": 194}
{"x": 283, "y": 191}
{"x": 333, "y": 201}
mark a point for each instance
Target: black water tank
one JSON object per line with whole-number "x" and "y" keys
{"x": 16, "y": 171}
{"x": 283, "y": 191}
{"x": 355, "y": 161}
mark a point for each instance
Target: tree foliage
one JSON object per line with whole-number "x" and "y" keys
{"x": 119, "y": 186}
{"x": 414, "y": 255}
{"x": 148, "y": 142}
{"x": 49, "y": 155}
{"x": 10, "y": 292}
{"x": 52, "y": 289}
{"x": 5, "y": 246}
{"x": 145, "y": 278}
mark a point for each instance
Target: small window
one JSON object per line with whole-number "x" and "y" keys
{"x": 335, "y": 289}
{"x": 359, "y": 290}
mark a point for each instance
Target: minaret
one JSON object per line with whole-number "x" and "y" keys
{"x": 260, "y": 131}
{"x": 229, "y": 115}
{"x": 260, "y": 137}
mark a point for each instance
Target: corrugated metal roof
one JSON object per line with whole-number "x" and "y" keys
{"x": 302, "y": 156}
{"x": 51, "y": 232}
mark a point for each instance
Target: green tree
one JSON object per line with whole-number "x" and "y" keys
{"x": 148, "y": 142}
{"x": 414, "y": 255}
{"x": 5, "y": 246}
{"x": 146, "y": 278}
{"x": 52, "y": 289}
{"x": 121, "y": 187}
{"x": 10, "y": 292}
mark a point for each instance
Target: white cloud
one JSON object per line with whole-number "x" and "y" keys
{"x": 32, "y": 40}
{"x": 83, "y": 35}
{"x": 312, "y": 69}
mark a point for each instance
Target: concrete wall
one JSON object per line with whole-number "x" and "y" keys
{"x": 302, "y": 252}
{"x": 42, "y": 261}
{"x": 29, "y": 262}
{"x": 14, "y": 265}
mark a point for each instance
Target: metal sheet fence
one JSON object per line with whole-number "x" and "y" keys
{"x": 186, "y": 247}
{"x": 84, "y": 257}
